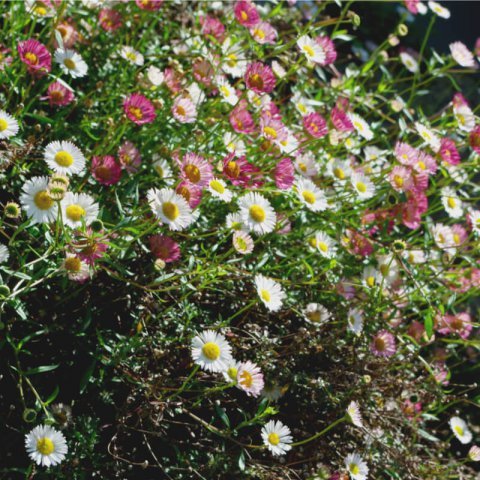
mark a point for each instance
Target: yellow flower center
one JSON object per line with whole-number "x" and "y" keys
{"x": 422, "y": 165}
{"x": 69, "y": 63}
{"x": 233, "y": 169}
{"x": 451, "y": 202}
{"x": 339, "y": 173}
{"x": 232, "y": 60}
{"x": 257, "y": 213}
{"x": 180, "y": 111}
{"x": 192, "y": 172}
{"x": 246, "y": 379}
{"x": 136, "y": 112}
{"x": 244, "y": 15}
{"x": 308, "y": 196}
{"x": 308, "y": 50}
{"x": 359, "y": 125}
{"x": 73, "y": 264}
{"x": 314, "y": 316}
{"x": 211, "y": 350}
{"x": 64, "y": 159}
{"x": 131, "y": 56}
{"x": 225, "y": 90}
{"x": 302, "y": 107}
{"x": 271, "y": 132}
{"x": 361, "y": 187}
{"x": 217, "y": 186}
{"x": 42, "y": 200}
{"x": 461, "y": 119}
{"x": 322, "y": 246}
{"x": 398, "y": 180}
{"x": 241, "y": 244}
{"x": 39, "y": 10}
{"x": 354, "y": 468}
{"x": 32, "y": 58}
{"x": 426, "y": 136}
{"x": 232, "y": 373}
{"x": 258, "y": 32}
{"x": 257, "y": 81}
{"x": 459, "y": 430}
{"x": 273, "y": 438}
{"x": 370, "y": 281}
{"x": 3, "y": 124}
{"x": 45, "y": 446}
{"x": 75, "y": 212}
{"x": 265, "y": 295}
{"x": 170, "y": 210}
{"x": 456, "y": 238}
{"x": 159, "y": 171}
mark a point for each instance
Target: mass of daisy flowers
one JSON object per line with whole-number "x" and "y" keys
{"x": 239, "y": 240}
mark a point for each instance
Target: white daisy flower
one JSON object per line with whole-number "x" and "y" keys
{"x": 340, "y": 170}
{"x": 250, "y": 379}
{"x": 355, "y": 321}
{"x": 270, "y": 292}
{"x": 75, "y": 268}
{"x": 234, "y": 144}
{"x": 475, "y": 220}
{"x": 257, "y": 213}
{"x": 353, "y": 411}
{"x": 242, "y": 242}
{"x": 234, "y": 222}
{"x": 357, "y": 468}
{"x": 218, "y": 188}
{"x": 170, "y": 208}
{"x": 134, "y": 57}
{"x": 462, "y": 55}
{"x": 4, "y": 253}
{"x": 389, "y": 268}
{"x": 8, "y": 125}
{"x": 71, "y": 62}
{"x": 460, "y": 430}
{"x": 311, "y": 49}
{"x": 363, "y": 186}
{"x": 305, "y": 165}
{"x": 36, "y": 201}
{"x": 361, "y": 126}
{"x": 289, "y": 144}
{"x": 371, "y": 277}
{"x": 230, "y": 373}
{"x": 278, "y": 70}
{"x": 465, "y": 118}
{"x": 77, "y": 209}
{"x": 227, "y": 91}
{"x": 273, "y": 392}
{"x": 163, "y": 169}
{"x": 302, "y": 104}
{"x": 64, "y": 158}
{"x": 325, "y": 245}
{"x": 233, "y": 62}
{"x": 310, "y": 195}
{"x": 439, "y": 9}
{"x": 429, "y": 136}
{"x": 443, "y": 237}
{"x": 46, "y": 446}
{"x": 155, "y": 76}
{"x": 452, "y": 204}
{"x": 211, "y": 351}
{"x": 474, "y": 453}
{"x": 415, "y": 256}
{"x": 277, "y": 437}
{"x": 409, "y": 61}
{"x": 316, "y": 314}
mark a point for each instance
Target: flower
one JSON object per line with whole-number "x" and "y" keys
{"x": 139, "y": 109}
{"x": 106, "y": 170}
{"x": 8, "y": 125}
{"x": 163, "y": 169}
{"x": 474, "y": 139}
{"x": 451, "y": 203}
{"x": 325, "y": 245}
{"x": 316, "y": 314}
{"x": 328, "y": 47}
{"x": 462, "y": 55}
{"x": 227, "y": 91}
{"x": 363, "y": 186}
{"x": 250, "y": 379}
{"x": 75, "y": 268}
{"x": 130, "y": 54}
{"x": 184, "y": 110}
{"x": 361, "y": 126}
{"x": 277, "y": 437}
{"x": 218, "y": 188}
{"x": 129, "y": 157}
{"x": 474, "y": 453}
{"x": 211, "y": 351}
{"x": 259, "y": 78}
{"x": 311, "y": 49}
{"x": 196, "y": 170}
{"x": 170, "y": 208}
{"x": 190, "y": 192}
{"x": 58, "y": 94}
{"x": 409, "y": 61}
{"x": 315, "y": 125}
{"x": 149, "y": 5}
{"x": 460, "y": 430}
{"x": 356, "y": 466}
{"x": 383, "y": 344}
{"x": 270, "y": 292}
{"x": 283, "y": 174}
{"x": 4, "y": 253}
{"x": 36, "y": 201}
{"x": 110, "y": 19}
{"x": 46, "y": 446}
{"x": 263, "y": 33}
{"x": 310, "y": 195}
{"x": 257, "y": 213}
{"x": 165, "y": 248}
{"x": 71, "y": 62}
{"x": 449, "y": 152}
{"x": 78, "y": 208}
{"x": 439, "y": 10}
{"x": 64, "y": 158}
{"x": 242, "y": 242}
{"x": 354, "y": 414}
{"x": 429, "y": 136}
{"x": 355, "y": 321}
{"x": 246, "y": 13}
{"x": 35, "y": 56}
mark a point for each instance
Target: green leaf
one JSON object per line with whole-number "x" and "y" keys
{"x": 428, "y": 323}
{"x": 42, "y": 369}
{"x": 241, "y": 461}
{"x": 222, "y": 415}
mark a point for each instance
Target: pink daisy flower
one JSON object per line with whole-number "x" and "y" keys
{"x": 284, "y": 174}
{"x": 328, "y": 47}
{"x": 241, "y": 120}
{"x": 90, "y": 246}
{"x": 139, "y": 109}
{"x": 272, "y": 128}
{"x": 214, "y": 27}
{"x": 400, "y": 178}
{"x": 425, "y": 163}
{"x": 129, "y": 157}
{"x": 263, "y": 33}
{"x": 420, "y": 182}
{"x": 203, "y": 71}
{"x": 109, "y": 19}
{"x": 172, "y": 80}
{"x": 405, "y": 154}
{"x": 459, "y": 100}
{"x": 413, "y": 209}
{"x": 35, "y": 56}
{"x": 69, "y": 35}
{"x": 150, "y": 5}
{"x": 315, "y": 125}
{"x": 196, "y": 170}
{"x": 474, "y": 139}
{"x": 459, "y": 324}
{"x": 246, "y": 13}
{"x": 190, "y": 192}
{"x": 412, "y": 6}
{"x": 5, "y": 57}
{"x": 59, "y": 95}
{"x": 165, "y": 248}
{"x": 240, "y": 172}
{"x": 449, "y": 152}
{"x": 106, "y": 170}
{"x": 250, "y": 379}
{"x": 259, "y": 78}
{"x": 460, "y": 235}
{"x": 183, "y": 109}
{"x": 383, "y": 344}
{"x": 340, "y": 120}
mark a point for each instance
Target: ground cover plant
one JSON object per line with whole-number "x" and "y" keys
{"x": 238, "y": 240}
